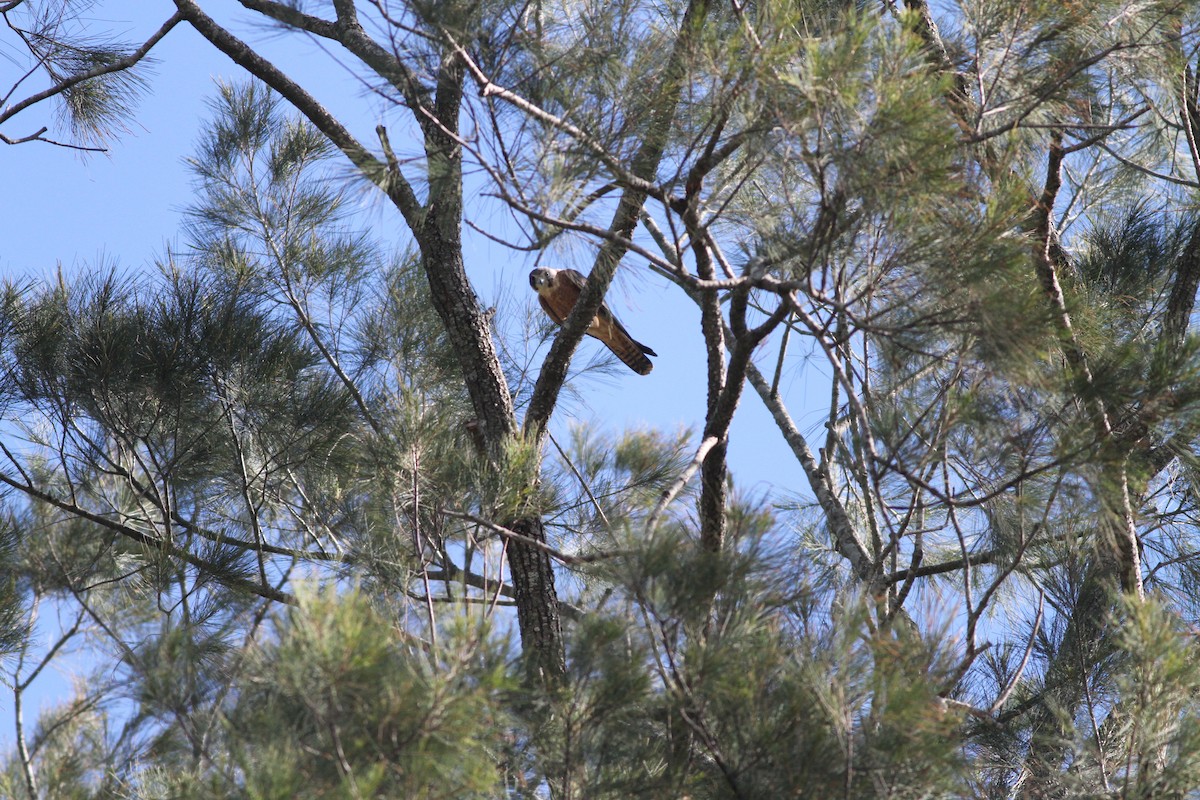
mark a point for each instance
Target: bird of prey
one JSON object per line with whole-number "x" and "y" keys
{"x": 558, "y": 289}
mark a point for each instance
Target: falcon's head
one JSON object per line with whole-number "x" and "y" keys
{"x": 542, "y": 278}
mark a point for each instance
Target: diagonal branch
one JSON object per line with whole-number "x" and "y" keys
{"x": 1047, "y": 262}
{"x": 349, "y": 32}
{"x": 154, "y": 543}
{"x": 120, "y": 65}
{"x": 645, "y": 166}
{"x": 672, "y": 491}
{"x": 844, "y": 536}
{"x": 397, "y": 188}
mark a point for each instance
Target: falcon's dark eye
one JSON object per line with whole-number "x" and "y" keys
{"x": 533, "y": 279}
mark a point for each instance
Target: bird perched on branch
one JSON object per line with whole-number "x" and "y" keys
{"x": 558, "y": 289}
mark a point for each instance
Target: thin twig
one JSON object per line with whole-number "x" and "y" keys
{"x": 508, "y": 533}
{"x": 582, "y": 482}
{"x": 1012, "y": 682}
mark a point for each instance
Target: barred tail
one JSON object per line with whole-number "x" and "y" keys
{"x": 609, "y": 330}
{"x": 633, "y": 354}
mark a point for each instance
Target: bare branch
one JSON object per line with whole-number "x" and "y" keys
{"x": 677, "y": 485}
{"x": 507, "y": 533}
{"x": 840, "y": 527}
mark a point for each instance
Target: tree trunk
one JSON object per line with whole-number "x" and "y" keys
{"x": 537, "y": 604}
{"x": 440, "y": 240}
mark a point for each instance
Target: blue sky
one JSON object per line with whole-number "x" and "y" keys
{"x": 124, "y": 208}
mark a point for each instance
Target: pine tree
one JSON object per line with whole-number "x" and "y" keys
{"x": 293, "y": 490}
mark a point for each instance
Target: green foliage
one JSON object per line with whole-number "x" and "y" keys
{"x": 54, "y": 34}
{"x": 13, "y": 625}
{"x": 624, "y": 475}
{"x": 71, "y": 751}
{"x": 387, "y": 714}
{"x": 773, "y": 708}
{"x": 264, "y": 482}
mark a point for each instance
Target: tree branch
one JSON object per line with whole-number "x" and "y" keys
{"x": 151, "y": 542}
{"x": 644, "y": 166}
{"x": 840, "y": 527}
{"x": 677, "y": 485}
{"x": 119, "y": 65}
{"x": 396, "y": 187}
{"x": 348, "y": 32}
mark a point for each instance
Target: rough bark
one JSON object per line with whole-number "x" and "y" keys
{"x": 538, "y": 613}
{"x": 440, "y": 241}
